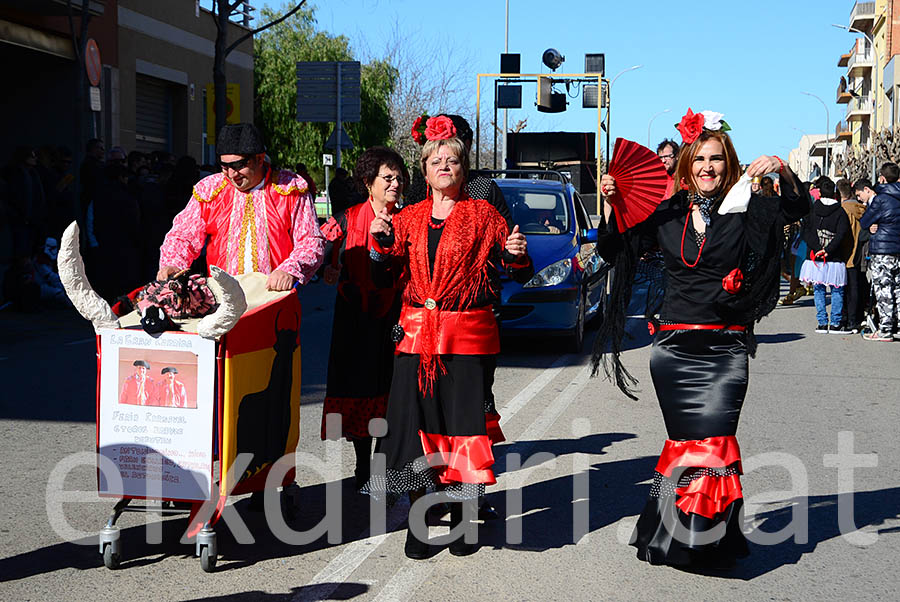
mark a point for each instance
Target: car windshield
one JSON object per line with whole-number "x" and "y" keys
{"x": 537, "y": 211}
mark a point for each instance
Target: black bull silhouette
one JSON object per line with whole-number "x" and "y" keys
{"x": 264, "y": 417}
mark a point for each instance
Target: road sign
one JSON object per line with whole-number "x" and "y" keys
{"x": 319, "y": 86}
{"x": 95, "y": 99}
{"x": 327, "y": 160}
{"x": 332, "y": 139}
{"x": 92, "y": 62}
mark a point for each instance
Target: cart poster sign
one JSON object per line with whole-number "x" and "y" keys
{"x": 155, "y": 420}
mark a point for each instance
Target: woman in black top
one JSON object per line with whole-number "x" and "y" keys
{"x": 722, "y": 263}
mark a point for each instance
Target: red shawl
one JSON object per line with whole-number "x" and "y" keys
{"x": 355, "y": 243}
{"x": 472, "y": 231}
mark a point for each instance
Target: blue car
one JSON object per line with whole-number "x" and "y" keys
{"x": 569, "y": 285}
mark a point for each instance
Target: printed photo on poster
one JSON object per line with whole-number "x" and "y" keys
{"x": 161, "y": 378}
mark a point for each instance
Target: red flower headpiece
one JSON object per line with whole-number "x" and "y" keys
{"x": 439, "y": 128}
{"x": 691, "y": 126}
{"x": 418, "y": 129}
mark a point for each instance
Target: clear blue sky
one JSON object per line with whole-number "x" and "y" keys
{"x": 748, "y": 60}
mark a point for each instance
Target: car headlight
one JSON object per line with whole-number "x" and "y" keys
{"x": 551, "y": 275}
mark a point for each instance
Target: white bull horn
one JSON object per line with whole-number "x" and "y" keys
{"x": 71, "y": 272}
{"x": 232, "y": 305}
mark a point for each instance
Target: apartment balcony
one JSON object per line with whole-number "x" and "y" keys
{"x": 859, "y": 108}
{"x": 862, "y": 16}
{"x": 843, "y": 94}
{"x": 861, "y": 61}
{"x": 842, "y": 131}
{"x": 845, "y": 58}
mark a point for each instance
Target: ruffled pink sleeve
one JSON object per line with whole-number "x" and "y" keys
{"x": 184, "y": 242}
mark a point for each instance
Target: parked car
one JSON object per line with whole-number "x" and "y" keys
{"x": 569, "y": 285}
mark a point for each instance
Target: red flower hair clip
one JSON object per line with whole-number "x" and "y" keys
{"x": 691, "y": 126}
{"x": 439, "y": 128}
{"x": 418, "y": 129}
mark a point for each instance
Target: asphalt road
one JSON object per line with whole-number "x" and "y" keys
{"x": 579, "y": 498}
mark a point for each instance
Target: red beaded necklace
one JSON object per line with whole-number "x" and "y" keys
{"x": 435, "y": 226}
{"x": 683, "y": 232}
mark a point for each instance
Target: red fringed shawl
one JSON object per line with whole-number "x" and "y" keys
{"x": 472, "y": 231}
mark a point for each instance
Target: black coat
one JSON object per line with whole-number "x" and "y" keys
{"x": 830, "y": 218}
{"x": 884, "y": 210}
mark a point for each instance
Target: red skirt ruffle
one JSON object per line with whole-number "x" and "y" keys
{"x": 492, "y": 425}
{"x": 459, "y": 459}
{"x": 707, "y": 495}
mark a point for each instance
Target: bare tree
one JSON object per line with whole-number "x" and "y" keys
{"x": 433, "y": 78}
{"x": 222, "y": 12}
{"x": 856, "y": 162}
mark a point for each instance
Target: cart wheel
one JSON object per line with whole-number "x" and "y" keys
{"x": 207, "y": 560}
{"x": 110, "y": 560}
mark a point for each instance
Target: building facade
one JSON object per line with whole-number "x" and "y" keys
{"x": 156, "y": 61}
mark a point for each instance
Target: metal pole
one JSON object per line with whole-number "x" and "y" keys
{"x": 495, "y": 124}
{"x": 477, "y": 120}
{"x": 827, "y": 121}
{"x": 651, "y": 123}
{"x": 338, "y": 128}
{"x": 600, "y": 202}
{"x": 327, "y": 194}
{"x": 505, "y": 111}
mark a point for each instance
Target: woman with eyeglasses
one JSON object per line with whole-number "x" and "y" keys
{"x": 365, "y": 310}
{"x": 448, "y": 248}
{"x": 721, "y": 245}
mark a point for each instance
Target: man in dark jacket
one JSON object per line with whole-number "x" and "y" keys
{"x": 882, "y": 218}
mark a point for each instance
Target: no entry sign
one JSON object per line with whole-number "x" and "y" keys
{"x": 92, "y": 62}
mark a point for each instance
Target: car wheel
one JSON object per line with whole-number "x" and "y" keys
{"x": 576, "y": 339}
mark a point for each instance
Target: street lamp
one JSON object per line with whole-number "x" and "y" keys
{"x": 651, "y": 123}
{"x": 609, "y": 104}
{"x": 827, "y": 121}
{"x": 874, "y": 91}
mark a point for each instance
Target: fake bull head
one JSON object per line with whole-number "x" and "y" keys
{"x": 228, "y": 292}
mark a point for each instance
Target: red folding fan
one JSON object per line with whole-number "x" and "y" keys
{"x": 640, "y": 182}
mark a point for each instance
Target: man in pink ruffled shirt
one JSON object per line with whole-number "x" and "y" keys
{"x": 251, "y": 218}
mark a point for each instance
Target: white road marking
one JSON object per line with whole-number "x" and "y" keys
{"x": 351, "y": 557}
{"x": 410, "y": 576}
{"x": 533, "y": 388}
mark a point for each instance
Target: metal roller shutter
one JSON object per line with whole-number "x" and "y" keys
{"x": 153, "y": 114}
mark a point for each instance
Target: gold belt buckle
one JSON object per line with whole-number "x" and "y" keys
{"x": 430, "y": 303}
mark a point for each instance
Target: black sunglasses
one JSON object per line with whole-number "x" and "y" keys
{"x": 235, "y": 165}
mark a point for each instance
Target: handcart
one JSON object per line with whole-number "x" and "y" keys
{"x": 178, "y": 412}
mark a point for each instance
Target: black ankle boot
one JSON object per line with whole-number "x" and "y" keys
{"x": 459, "y": 547}
{"x": 415, "y": 549}
{"x": 363, "y": 449}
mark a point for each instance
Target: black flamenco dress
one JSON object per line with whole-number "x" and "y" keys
{"x": 436, "y": 434}
{"x": 361, "y": 358}
{"x": 719, "y": 283}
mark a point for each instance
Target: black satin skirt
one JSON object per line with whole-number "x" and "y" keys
{"x": 700, "y": 377}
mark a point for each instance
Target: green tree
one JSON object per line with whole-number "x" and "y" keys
{"x": 277, "y": 51}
